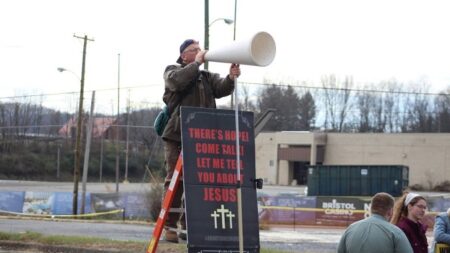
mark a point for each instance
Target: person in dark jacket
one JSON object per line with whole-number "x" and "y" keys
{"x": 187, "y": 85}
{"x": 408, "y": 212}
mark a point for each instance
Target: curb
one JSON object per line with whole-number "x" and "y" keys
{"x": 13, "y": 217}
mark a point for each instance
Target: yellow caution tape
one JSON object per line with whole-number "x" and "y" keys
{"x": 305, "y": 209}
{"x": 64, "y": 215}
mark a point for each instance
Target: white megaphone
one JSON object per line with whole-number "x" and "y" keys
{"x": 258, "y": 50}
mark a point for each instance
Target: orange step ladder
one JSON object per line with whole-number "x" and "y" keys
{"x": 165, "y": 209}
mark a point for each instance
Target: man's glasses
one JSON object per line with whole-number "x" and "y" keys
{"x": 193, "y": 50}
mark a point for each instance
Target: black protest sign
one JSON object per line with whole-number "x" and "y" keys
{"x": 210, "y": 179}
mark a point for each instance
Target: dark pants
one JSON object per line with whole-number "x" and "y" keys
{"x": 172, "y": 151}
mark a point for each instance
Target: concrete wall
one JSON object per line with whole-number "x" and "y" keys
{"x": 427, "y": 155}
{"x": 268, "y": 167}
{"x": 266, "y": 157}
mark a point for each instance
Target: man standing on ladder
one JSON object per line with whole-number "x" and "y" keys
{"x": 187, "y": 85}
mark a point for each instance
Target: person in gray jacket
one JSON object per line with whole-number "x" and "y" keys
{"x": 187, "y": 85}
{"x": 441, "y": 229}
{"x": 375, "y": 234}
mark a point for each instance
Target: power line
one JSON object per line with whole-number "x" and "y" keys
{"x": 77, "y": 92}
{"x": 249, "y": 83}
{"x": 49, "y": 126}
{"x": 350, "y": 89}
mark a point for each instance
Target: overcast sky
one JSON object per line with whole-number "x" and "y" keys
{"x": 408, "y": 40}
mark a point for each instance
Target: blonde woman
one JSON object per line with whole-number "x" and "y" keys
{"x": 408, "y": 212}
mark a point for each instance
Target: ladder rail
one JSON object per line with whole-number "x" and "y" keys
{"x": 165, "y": 209}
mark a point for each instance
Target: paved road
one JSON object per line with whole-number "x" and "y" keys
{"x": 322, "y": 240}
{"x": 300, "y": 239}
{"x": 293, "y": 240}
{"x": 119, "y": 231}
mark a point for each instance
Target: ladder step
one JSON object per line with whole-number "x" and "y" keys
{"x": 178, "y": 230}
{"x": 176, "y": 210}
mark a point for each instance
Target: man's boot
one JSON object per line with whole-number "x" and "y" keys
{"x": 170, "y": 235}
{"x": 182, "y": 235}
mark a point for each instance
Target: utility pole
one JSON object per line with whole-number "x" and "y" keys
{"x": 101, "y": 155}
{"x": 117, "y": 125}
{"x": 206, "y": 30}
{"x": 76, "y": 170}
{"x": 57, "y": 161}
{"x": 86, "y": 152}
{"x": 128, "y": 139}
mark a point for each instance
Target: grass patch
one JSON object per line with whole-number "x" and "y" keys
{"x": 75, "y": 241}
{"x": 97, "y": 243}
{"x": 27, "y": 237}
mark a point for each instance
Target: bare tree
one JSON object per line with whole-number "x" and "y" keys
{"x": 419, "y": 115}
{"x": 246, "y": 104}
{"x": 38, "y": 116}
{"x": 442, "y": 111}
{"x": 337, "y": 101}
{"x": 16, "y": 118}
{"x": 374, "y": 109}
{"x": 55, "y": 119}
{"x": 3, "y": 125}
{"x": 392, "y": 105}
{"x": 365, "y": 102}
